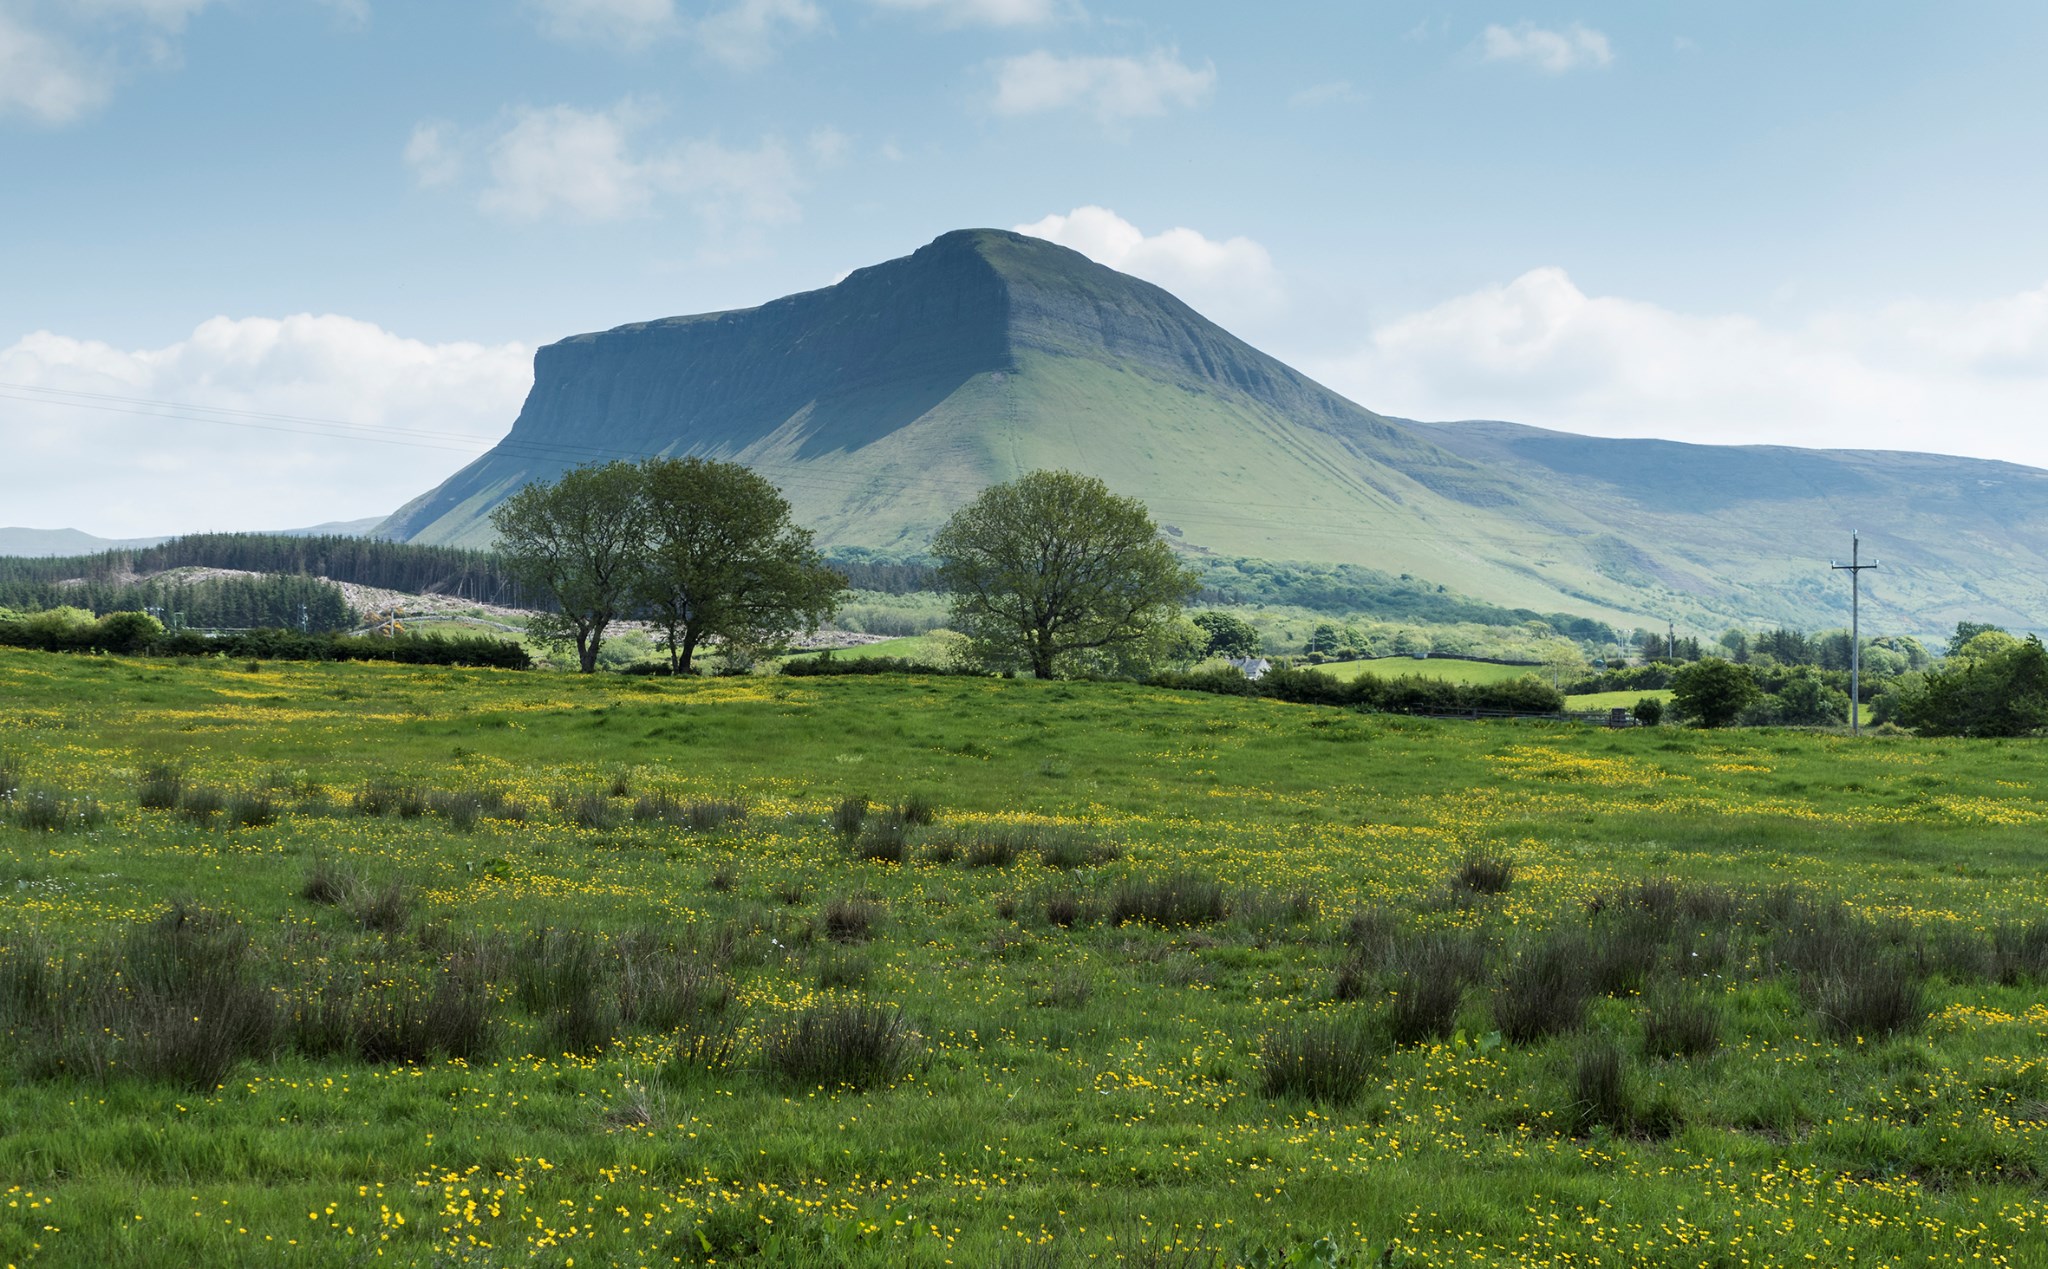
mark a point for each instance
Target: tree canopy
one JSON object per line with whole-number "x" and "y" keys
{"x": 704, "y": 549}
{"x": 1053, "y": 564}
{"x": 1712, "y": 692}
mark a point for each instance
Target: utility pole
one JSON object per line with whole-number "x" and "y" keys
{"x": 1671, "y": 640}
{"x": 1855, "y": 568}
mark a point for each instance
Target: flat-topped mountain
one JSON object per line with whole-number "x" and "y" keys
{"x": 883, "y": 402}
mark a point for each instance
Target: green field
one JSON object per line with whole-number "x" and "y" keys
{"x": 494, "y": 968}
{"x": 1617, "y": 700}
{"x": 1447, "y": 669}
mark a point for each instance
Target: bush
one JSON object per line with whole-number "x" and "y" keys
{"x": 1649, "y": 711}
{"x": 1183, "y": 898}
{"x": 843, "y": 1045}
{"x": 1713, "y": 692}
{"x": 1328, "y": 1061}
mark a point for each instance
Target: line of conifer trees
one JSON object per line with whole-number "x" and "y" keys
{"x": 215, "y": 603}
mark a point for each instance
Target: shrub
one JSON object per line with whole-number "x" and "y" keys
{"x": 849, "y": 813}
{"x": 1183, "y": 898}
{"x": 1326, "y": 1061}
{"x": 1484, "y": 874}
{"x": 1684, "y": 1025}
{"x": 1649, "y": 711}
{"x": 851, "y": 1045}
{"x": 160, "y": 786}
{"x": 850, "y": 920}
{"x": 1545, "y": 990}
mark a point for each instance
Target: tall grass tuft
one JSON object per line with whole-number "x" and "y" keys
{"x": 560, "y": 978}
{"x": 1179, "y": 899}
{"x": 850, "y": 1044}
{"x": 848, "y": 814}
{"x": 1484, "y": 874}
{"x": 1545, "y": 990}
{"x": 327, "y": 884}
{"x": 1681, "y": 1024}
{"x": 850, "y": 920}
{"x": 917, "y": 809}
{"x": 1324, "y": 1061}
{"x": 159, "y": 787}
{"x": 883, "y": 839}
{"x": 1430, "y": 974}
{"x": 386, "y": 909}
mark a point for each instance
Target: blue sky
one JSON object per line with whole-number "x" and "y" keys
{"x": 324, "y": 236}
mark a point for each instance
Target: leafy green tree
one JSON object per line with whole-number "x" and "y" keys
{"x": 722, "y": 560}
{"x": 577, "y": 543}
{"x": 1712, "y": 692}
{"x": 1968, "y": 630}
{"x": 1992, "y": 685}
{"x": 1228, "y": 635}
{"x": 1052, "y": 564}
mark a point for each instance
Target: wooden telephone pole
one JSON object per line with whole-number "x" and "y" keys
{"x": 1855, "y": 568}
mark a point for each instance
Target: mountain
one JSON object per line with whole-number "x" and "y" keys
{"x": 883, "y": 402}
{"x": 49, "y": 542}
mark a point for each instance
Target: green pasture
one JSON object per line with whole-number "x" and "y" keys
{"x": 1137, "y": 992}
{"x": 1446, "y": 669}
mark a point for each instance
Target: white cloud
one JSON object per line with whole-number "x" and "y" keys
{"x": 569, "y": 162}
{"x": 751, "y": 31}
{"x": 829, "y": 146}
{"x": 44, "y": 77}
{"x": 1953, "y": 378}
{"x": 1231, "y": 281}
{"x": 563, "y": 162}
{"x": 984, "y": 12}
{"x": 433, "y": 154}
{"x": 1554, "y": 52}
{"x": 112, "y": 464}
{"x": 625, "y": 23}
{"x": 745, "y": 34}
{"x": 1114, "y": 89}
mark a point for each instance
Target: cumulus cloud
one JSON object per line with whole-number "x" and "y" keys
{"x": 984, "y": 12}
{"x": 1114, "y": 89}
{"x": 1554, "y": 52}
{"x": 752, "y": 31}
{"x": 624, "y": 23}
{"x": 1966, "y": 378}
{"x": 1230, "y": 281}
{"x": 743, "y": 35}
{"x": 46, "y": 78}
{"x": 246, "y": 423}
{"x": 59, "y": 64}
{"x": 569, "y": 163}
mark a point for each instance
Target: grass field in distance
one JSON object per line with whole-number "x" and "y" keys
{"x": 1160, "y": 982}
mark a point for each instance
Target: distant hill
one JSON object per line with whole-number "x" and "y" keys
{"x": 38, "y": 543}
{"x": 882, "y": 403}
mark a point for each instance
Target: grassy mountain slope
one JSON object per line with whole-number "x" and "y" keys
{"x": 882, "y": 403}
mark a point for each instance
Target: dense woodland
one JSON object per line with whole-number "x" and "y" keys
{"x": 214, "y": 603}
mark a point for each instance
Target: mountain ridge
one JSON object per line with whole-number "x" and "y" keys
{"x": 882, "y": 402}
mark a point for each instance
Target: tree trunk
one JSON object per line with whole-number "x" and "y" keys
{"x": 689, "y": 648}
{"x": 586, "y": 651}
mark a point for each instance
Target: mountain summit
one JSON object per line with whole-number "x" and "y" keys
{"x": 883, "y": 402}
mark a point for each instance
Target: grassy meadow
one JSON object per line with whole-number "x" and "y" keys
{"x": 438, "y": 967}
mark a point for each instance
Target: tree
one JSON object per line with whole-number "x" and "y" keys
{"x": 723, "y": 560}
{"x": 1052, "y": 564}
{"x": 1228, "y": 635}
{"x": 577, "y": 543}
{"x": 1561, "y": 657}
{"x": 1712, "y": 692}
{"x": 1992, "y": 685}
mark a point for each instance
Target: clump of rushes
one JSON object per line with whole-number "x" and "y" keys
{"x": 1328, "y": 1061}
{"x": 917, "y": 809}
{"x": 1546, "y": 989}
{"x": 1484, "y": 874}
{"x": 160, "y": 786}
{"x": 1681, "y": 1024}
{"x": 850, "y": 920}
{"x": 1182, "y": 898}
{"x": 851, "y": 1044}
{"x": 849, "y": 813}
